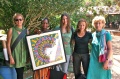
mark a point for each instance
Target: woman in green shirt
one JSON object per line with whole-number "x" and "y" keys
{"x": 66, "y": 32}
{"x": 18, "y": 56}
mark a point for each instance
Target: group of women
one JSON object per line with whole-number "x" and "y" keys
{"x": 75, "y": 47}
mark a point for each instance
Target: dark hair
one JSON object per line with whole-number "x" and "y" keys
{"x": 44, "y": 20}
{"x": 81, "y": 20}
{"x": 68, "y": 22}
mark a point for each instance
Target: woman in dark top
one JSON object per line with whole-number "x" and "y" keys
{"x": 81, "y": 38}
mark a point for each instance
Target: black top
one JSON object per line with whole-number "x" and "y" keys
{"x": 81, "y": 43}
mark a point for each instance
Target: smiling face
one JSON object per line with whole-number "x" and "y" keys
{"x": 18, "y": 20}
{"x": 82, "y": 26}
{"x": 64, "y": 20}
{"x": 98, "y": 22}
{"x": 45, "y": 24}
{"x": 99, "y": 25}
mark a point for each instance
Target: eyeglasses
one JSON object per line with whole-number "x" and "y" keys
{"x": 18, "y": 19}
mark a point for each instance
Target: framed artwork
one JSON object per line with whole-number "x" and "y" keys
{"x": 46, "y": 49}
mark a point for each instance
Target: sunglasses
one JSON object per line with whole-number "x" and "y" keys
{"x": 18, "y": 19}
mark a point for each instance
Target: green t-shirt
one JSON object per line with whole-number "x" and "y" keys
{"x": 66, "y": 38}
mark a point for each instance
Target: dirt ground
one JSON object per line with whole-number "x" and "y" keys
{"x": 116, "y": 56}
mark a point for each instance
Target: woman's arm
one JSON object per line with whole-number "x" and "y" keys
{"x": 28, "y": 32}
{"x": 9, "y": 37}
{"x": 109, "y": 56}
{"x": 72, "y": 44}
{"x": 110, "y": 53}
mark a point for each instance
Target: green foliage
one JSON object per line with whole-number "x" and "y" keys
{"x": 9, "y": 8}
{"x": 35, "y": 10}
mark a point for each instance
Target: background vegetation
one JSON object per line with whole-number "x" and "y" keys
{"x": 35, "y": 10}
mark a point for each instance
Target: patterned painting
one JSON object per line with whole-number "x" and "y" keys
{"x": 46, "y": 49}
